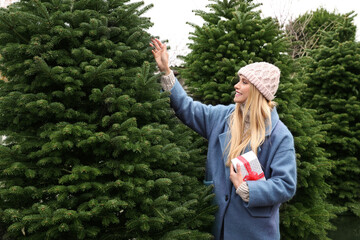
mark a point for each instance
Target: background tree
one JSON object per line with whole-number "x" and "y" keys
{"x": 233, "y": 35}
{"x": 333, "y": 80}
{"x": 330, "y": 62}
{"x": 308, "y": 31}
{"x": 92, "y": 151}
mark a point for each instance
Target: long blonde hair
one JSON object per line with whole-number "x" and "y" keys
{"x": 260, "y": 117}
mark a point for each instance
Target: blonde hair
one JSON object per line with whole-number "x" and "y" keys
{"x": 260, "y": 117}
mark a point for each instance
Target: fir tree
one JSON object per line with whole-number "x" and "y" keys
{"x": 309, "y": 30}
{"x": 233, "y": 35}
{"x": 333, "y": 81}
{"x": 92, "y": 150}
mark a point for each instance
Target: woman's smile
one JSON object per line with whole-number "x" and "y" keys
{"x": 242, "y": 89}
{"x": 237, "y": 93}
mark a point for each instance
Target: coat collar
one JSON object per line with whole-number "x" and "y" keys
{"x": 274, "y": 121}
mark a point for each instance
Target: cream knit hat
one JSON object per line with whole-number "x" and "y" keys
{"x": 264, "y": 76}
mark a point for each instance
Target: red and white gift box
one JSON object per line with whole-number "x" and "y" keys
{"x": 249, "y": 166}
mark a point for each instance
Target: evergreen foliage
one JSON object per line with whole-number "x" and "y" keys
{"x": 309, "y": 30}
{"x": 333, "y": 81}
{"x": 92, "y": 150}
{"x": 233, "y": 35}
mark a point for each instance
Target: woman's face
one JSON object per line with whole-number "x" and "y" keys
{"x": 242, "y": 89}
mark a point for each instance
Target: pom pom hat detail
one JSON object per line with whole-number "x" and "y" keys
{"x": 264, "y": 76}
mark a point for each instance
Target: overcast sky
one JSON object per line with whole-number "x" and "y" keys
{"x": 170, "y": 16}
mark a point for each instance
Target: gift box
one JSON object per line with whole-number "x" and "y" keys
{"x": 249, "y": 166}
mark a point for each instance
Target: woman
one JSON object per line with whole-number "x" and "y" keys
{"x": 247, "y": 209}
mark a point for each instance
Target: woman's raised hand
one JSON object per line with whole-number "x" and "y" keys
{"x": 161, "y": 55}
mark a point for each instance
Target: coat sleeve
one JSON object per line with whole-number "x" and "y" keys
{"x": 281, "y": 185}
{"x": 196, "y": 115}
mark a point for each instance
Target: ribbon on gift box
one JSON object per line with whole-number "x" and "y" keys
{"x": 252, "y": 174}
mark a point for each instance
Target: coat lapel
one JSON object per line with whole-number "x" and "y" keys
{"x": 224, "y": 139}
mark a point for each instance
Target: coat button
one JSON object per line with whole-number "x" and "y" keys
{"x": 226, "y": 197}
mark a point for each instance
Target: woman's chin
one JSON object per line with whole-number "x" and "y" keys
{"x": 238, "y": 100}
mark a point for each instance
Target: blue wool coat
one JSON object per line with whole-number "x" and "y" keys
{"x": 259, "y": 218}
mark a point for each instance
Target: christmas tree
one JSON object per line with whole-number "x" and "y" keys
{"x": 233, "y": 35}
{"x": 333, "y": 82}
{"x": 92, "y": 150}
{"x": 309, "y": 30}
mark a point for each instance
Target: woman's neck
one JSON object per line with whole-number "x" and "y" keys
{"x": 246, "y": 117}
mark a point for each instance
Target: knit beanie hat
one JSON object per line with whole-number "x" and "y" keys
{"x": 264, "y": 76}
